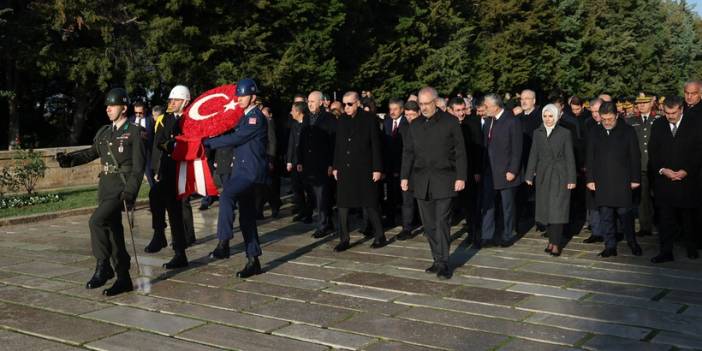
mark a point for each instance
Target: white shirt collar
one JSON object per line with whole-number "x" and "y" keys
{"x": 499, "y": 114}
{"x": 677, "y": 124}
{"x": 248, "y": 109}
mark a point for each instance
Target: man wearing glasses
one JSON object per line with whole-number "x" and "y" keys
{"x": 434, "y": 157}
{"x": 142, "y": 120}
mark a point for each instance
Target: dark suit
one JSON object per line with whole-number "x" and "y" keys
{"x": 462, "y": 203}
{"x": 475, "y": 167}
{"x": 525, "y": 198}
{"x": 148, "y": 137}
{"x": 677, "y": 201}
{"x": 503, "y": 153}
{"x": 162, "y": 196}
{"x": 613, "y": 163}
{"x": 392, "y": 161}
{"x": 433, "y": 158}
{"x": 291, "y": 157}
{"x": 315, "y": 154}
{"x": 270, "y": 191}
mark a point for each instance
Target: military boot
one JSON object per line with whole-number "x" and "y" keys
{"x": 221, "y": 251}
{"x": 180, "y": 260}
{"x": 253, "y": 267}
{"x": 121, "y": 285}
{"x": 103, "y": 273}
{"x": 157, "y": 243}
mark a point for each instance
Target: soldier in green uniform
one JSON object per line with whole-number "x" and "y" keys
{"x": 642, "y": 124}
{"x": 120, "y": 148}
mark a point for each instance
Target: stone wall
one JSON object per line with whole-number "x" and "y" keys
{"x": 57, "y": 177}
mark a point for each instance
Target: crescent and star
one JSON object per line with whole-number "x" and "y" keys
{"x": 195, "y": 110}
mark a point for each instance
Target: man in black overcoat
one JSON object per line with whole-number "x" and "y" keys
{"x": 674, "y": 158}
{"x": 358, "y": 167}
{"x": 315, "y": 155}
{"x": 613, "y": 172}
{"x": 434, "y": 156}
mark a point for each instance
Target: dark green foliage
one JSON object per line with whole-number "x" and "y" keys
{"x": 82, "y": 48}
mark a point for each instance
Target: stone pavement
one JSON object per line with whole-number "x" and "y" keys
{"x": 311, "y": 298}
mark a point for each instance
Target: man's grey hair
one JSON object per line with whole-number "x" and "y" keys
{"x": 317, "y": 93}
{"x": 693, "y": 82}
{"x": 352, "y": 93}
{"x": 596, "y": 101}
{"x": 528, "y": 91}
{"x": 496, "y": 99}
{"x": 429, "y": 90}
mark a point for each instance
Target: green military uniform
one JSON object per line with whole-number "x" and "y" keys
{"x": 122, "y": 156}
{"x": 642, "y": 126}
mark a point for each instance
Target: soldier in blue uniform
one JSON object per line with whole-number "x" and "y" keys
{"x": 249, "y": 139}
{"x": 120, "y": 148}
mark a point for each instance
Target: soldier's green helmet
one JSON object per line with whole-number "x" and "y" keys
{"x": 117, "y": 96}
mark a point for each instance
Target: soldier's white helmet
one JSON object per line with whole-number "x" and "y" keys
{"x": 180, "y": 92}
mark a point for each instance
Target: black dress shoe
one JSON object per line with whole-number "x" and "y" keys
{"x": 122, "y": 284}
{"x": 253, "y": 267}
{"x": 608, "y": 252}
{"x": 444, "y": 272}
{"x": 103, "y": 273}
{"x": 548, "y": 249}
{"x": 555, "y": 254}
{"x": 320, "y": 233}
{"x": 692, "y": 253}
{"x": 642, "y": 233}
{"x": 157, "y": 243}
{"x": 221, "y": 251}
{"x": 180, "y": 260}
{"x": 367, "y": 232}
{"x": 404, "y": 235}
{"x": 478, "y": 244}
{"x": 662, "y": 258}
{"x": 204, "y": 207}
{"x": 379, "y": 243}
{"x": 299, "y": 217}
{"x": 433, "y": 269}
{"x": 508, "y": 243}
{"x": 593, "y": 239}
{"x": 342, "y": 246}
{"x": 636, "y": 249}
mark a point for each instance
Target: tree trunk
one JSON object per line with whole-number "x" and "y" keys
{"x": 13, "y": 130}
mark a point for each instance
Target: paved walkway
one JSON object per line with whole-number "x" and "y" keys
{"x": 314, "y": 299}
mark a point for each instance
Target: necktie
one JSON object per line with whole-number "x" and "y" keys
{"x": 674, "y": 129}
{"x": 394, "y": 128}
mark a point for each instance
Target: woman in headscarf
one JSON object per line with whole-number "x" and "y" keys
{"x": 551, "y": 169}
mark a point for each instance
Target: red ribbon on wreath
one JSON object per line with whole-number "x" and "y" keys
{"x": 213, "y": 113}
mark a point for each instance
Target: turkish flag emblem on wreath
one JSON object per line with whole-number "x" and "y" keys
{"x": 214, "y": 112}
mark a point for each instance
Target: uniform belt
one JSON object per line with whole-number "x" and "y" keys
{"x": 111, "y": 169}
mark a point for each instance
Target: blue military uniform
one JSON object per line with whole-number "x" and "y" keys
{"x": 249, "y": 139}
